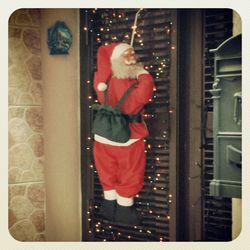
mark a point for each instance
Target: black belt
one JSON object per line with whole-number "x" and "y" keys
{"x": 134, "y": 118}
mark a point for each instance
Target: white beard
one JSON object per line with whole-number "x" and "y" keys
{"x": 122, "y": 70}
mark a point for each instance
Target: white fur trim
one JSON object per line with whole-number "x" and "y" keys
{"x": 143, "y": 71}
{"x": 102, "y": 86}
{"x": 119, "y": 49}
{"x": 110, "y": 195}
{"x": 112, "y": 143}
{"x": 123, "y": 201}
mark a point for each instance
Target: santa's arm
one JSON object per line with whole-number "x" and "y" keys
{"x": 141, "y": 94}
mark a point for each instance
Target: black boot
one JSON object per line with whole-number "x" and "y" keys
{"x": 127, "y": 215}
{"x": 108, "y": 209}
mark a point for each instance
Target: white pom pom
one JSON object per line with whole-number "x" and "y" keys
{"x": 102, "y": 86}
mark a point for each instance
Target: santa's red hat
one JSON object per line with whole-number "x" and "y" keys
{"x": 105, "y": 54}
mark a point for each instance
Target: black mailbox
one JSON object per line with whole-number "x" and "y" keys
{"x": 227, "y": 119}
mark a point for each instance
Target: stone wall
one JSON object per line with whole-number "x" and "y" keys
{"x": 26, "y": 151}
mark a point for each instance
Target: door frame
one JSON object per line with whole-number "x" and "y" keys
{"x": 190, "y": 78}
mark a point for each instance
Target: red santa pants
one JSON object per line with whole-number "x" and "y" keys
{"x": 121, "y": 168}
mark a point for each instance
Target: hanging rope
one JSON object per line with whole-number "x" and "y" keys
{"x": 134, "y": 27}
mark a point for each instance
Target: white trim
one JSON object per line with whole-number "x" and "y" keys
{"x": 123, "y": 201}
{"x": 141, "y": 72}
{"x": 110, "y": 195}
{"x": 119, "y": 49}
{"x": 112, "y": 143}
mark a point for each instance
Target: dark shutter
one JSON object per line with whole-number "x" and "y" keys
{"x": 217, "y": 211}
{"x": 155, "y": 47}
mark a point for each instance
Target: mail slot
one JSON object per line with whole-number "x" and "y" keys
{"x": 227, "y": 119}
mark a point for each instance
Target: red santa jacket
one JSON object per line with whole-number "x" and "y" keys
{"x": 141, "y": 95}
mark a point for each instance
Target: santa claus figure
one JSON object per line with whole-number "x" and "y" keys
{"x": 121, "y": 166}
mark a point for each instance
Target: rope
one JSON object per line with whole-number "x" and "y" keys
{"x": 134, "y": 27}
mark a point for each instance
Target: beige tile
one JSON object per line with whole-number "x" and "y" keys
{"x": 13, "y": 96}
{"x": 36, "y": 92}
{"x": 18, "y": 53}
{"x": 19, "y": 78}
{"x": 22, "y": 18}
{"x": 34, "y": 118}
{"x": 23, "y": 231}
{"x": 20, "y": 156}
{"x": 39, "y": 237}
{"x": 11, "y": 141}
{"x": 38, "y": 168}
{"x": 14, "y": 175}
{"x": 25, "y": 99}
{"x": 15, "y": 32}
{"x": 27, "y": 176}
{"x": 38, "y": 220}
{"x": 34, "y": 67}
{"x": 12, "y": 218}
{"x": 16, "y": 112}
{"x": 36, "y": 143}
{"x": 35, "y": 15}
{"x": 36, "y": 194}
{"x": 21, "y": 207}
{"x": 19, "y": 130}
{"x": 17, "y": 190}
{"x": 32, "y": 40}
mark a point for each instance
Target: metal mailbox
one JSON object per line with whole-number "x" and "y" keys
{"x": 226, "y": 94}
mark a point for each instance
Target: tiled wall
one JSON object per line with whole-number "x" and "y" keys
{"x": 26, "y": 154}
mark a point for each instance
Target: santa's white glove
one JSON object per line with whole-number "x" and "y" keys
{"x": 141, "y": 71}
{"x": 102, "y": 86}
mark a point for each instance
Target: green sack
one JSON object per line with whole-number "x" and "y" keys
{"x": 109, "y": 122}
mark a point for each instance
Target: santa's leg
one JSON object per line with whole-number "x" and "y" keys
{"x": 106, "y": 167}
{"x": 130, "y": 177}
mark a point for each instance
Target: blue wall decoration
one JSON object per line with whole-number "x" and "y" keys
{"x": 59, "y": 39}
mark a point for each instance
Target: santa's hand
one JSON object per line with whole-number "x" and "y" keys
{"x": 141, "y": 72}
{"x": 102, "y": 86}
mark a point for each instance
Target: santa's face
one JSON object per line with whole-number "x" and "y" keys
{"x": 129, "y": 56}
